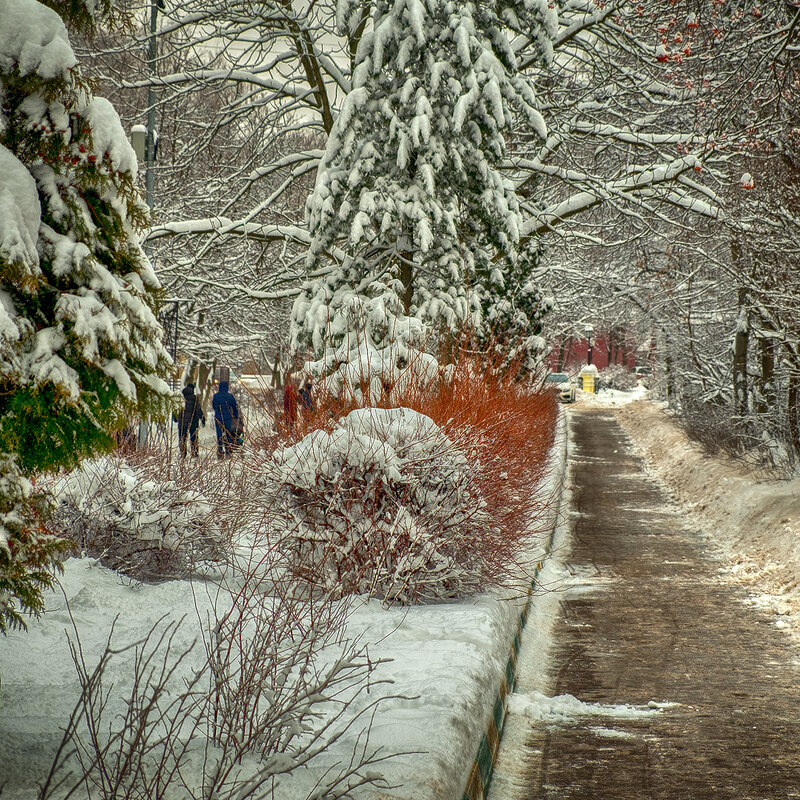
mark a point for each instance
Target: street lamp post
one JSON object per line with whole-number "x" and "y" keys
{"x": 589, "y": 330}
{"x": 143, "y": 140}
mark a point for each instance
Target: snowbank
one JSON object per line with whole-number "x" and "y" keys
{"x": 754, "y": 521}
{"x": 444, "y": 664}
{"x": 446, "y": 660}
{"x": 564, "y": 708}
{"x": 612, "y": 397}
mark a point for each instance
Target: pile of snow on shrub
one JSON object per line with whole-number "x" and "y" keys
{"x": 385, "y": 505}
{"x": 616, "y": 376}
{"x": 150, "y": 529}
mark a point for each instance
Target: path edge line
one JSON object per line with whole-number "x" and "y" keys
{"x": 480, "y": 775}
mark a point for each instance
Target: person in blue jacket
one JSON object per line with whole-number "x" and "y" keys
{"x": 306, "y": 399}
{"x": 226, "y": 417}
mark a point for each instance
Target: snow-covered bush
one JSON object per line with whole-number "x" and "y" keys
{"x": 616, "y": 376}
{"x": 346, "y": 493}
{"x": 148, "y": 528}
{"x": 384, "y": 504}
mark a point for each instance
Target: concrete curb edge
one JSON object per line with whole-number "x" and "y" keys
{"x": 480, "y": 775}
{"x": 483, "y": 765}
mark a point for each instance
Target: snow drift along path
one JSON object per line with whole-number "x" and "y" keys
{"x": 755, "y": 522}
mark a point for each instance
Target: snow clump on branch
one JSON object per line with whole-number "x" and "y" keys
{"x": 34, "y": 39}
{"x": 372, "y": 350}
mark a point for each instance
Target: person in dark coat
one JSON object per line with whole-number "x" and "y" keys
{"x": 188, "y": 420}
{"x": 226, "y": 417}
{"x": 306, "y": 399}
{"x": 290, "y": 398}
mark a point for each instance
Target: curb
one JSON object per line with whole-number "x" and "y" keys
{"x": 483, "y": 766}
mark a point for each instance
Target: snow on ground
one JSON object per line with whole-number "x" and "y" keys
{"x": 612, "y": 397}
{"x": 39, "y": 683}
{"x": 445, "y": 660}
{"x": 564, "y": 709}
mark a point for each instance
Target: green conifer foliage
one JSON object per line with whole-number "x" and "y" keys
{"x": 28, "y": 550}
{"x": 80, "y": 345}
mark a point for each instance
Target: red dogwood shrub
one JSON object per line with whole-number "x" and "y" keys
{"x": 430, "y": 495}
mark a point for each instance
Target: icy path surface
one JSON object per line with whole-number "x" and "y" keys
{"x": 661, "y": 681}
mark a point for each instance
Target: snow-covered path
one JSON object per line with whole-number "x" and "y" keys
{"x": 663, "y": 681}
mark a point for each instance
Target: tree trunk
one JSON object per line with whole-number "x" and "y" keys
{"x": 619, "y": 345}
{"x": 277, "y": 371}
{"x": 669, "y": 377}
{"x": 407, "y": 279}
{"x": 564, "y": 347}
{"x": 669, "y": 383}
{"x": 740, "y": 345}
{"x": 205, "y": 376}
{"x": 766, "y": 380}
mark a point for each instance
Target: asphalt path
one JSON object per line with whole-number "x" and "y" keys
{"x": 651, "y": 619}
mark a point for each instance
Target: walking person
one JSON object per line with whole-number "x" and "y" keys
{"x": 226, "y": 418}
{"x": 290, "y": 399}
{"x": 188, "y": 421}
{"x": 306, "y": 399}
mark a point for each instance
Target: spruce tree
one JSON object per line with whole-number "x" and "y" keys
{"x": 80, "y": 345}
{"x": 412, "y": 178}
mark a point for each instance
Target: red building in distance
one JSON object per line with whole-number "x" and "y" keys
{"x": 570, "y": 353}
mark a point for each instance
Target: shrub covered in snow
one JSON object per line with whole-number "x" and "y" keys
{"x": 616, "y": 376}
{"x": 384, "y": 504}
{"x": 148, "y": 528}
